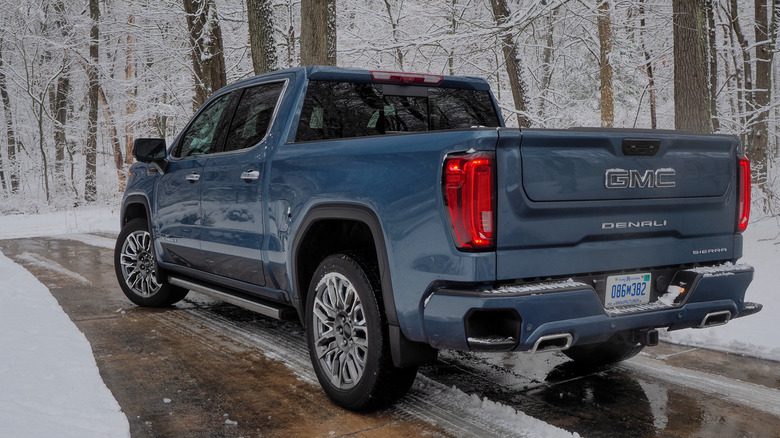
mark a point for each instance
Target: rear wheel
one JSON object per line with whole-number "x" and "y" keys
{"x": 348, "y": 336}
{"x": 136, "y": 270}
{"x": 616, "y": 349}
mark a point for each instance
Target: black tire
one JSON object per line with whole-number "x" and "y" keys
{"x": 616, "y": 349}
{"x": 136, "y": 270}
{"x": 348, "y": 338}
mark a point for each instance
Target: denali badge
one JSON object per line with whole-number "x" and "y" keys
{"x": 637, "y": 224}
{"x": 629, "y": 179}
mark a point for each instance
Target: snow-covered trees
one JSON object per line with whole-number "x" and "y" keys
{"x": 551, "y": 63}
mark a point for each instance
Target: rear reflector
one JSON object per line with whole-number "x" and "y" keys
{"x": 406, "y": 78}
{"x": 469, "y": 193}
{"x": 743, "y": 215}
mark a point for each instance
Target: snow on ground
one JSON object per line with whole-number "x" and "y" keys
{"x": 49, "y": 379}
{"x": 754, "y": 335}
{"x": 51, "y": 385}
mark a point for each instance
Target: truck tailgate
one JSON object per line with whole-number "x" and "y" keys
{"x": 581, "y": 201}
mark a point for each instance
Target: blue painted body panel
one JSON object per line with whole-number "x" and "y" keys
{"x": 551, "y": 207}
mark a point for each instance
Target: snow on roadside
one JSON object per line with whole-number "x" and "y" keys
{"x": 80, "y": 220}
{"x": 754, "y": 335}
{"x": 49, "y": 379}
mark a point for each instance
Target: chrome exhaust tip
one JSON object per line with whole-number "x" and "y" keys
{"x": 715, "y": 319}
{"x": 555, "y": 342}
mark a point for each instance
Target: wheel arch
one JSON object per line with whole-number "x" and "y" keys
{"x": 352, "y": 219}
{"x": 134, "y": 207}
{"x": 405, "y": 353}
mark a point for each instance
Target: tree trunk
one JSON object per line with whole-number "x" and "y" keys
{"x": 261, "y": 35}
{"x": 747, "y": 69}
{"x": 59, "y": 102}
{"x": 131, "y": 93}
{"x": 648, "y": 68}
{"x": 12, "y": 175}
{"x": 318, "y": 32}
{"x": 547, "y": 63}
{"x": 713, "y": 62}
{"x": 116, "y": 148}
{"x": 762, "y": 91}
{"x": 207, "y": 54}
{"x": 399, "y": 55}
{"x": 605, "y": 65}
{"x": 90, "y": 175}
{"x": 509, "y": 48}
{"x": 691, "y": 91}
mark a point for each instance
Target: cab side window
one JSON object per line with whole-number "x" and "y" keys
{"x": 252, "y": 118}
{"x": 201, "y": 136}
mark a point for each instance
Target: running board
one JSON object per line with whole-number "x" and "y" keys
{"x": 264, "y": 308}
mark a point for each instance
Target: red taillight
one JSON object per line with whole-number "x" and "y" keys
{"x": 406, "y": 78}
{"x": 469, "y": 196}
{"x": 743, "y": 216}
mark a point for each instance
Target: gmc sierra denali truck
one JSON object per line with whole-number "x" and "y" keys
{"x": 394, "y": 215}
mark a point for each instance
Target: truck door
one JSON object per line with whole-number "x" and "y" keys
{"x": 178, "y": 193}
{"x": 232, "y": 189}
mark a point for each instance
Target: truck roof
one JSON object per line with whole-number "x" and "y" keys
{"x": 329, "y": 73}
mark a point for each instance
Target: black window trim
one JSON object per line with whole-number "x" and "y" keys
{"x": 176, "y": 147}
{"x": 400, "y": 92}
{"x": 221, "y": 149}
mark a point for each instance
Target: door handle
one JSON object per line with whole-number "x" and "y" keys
{"x": 250, "y": 175}
{"x": 192, "y": 177}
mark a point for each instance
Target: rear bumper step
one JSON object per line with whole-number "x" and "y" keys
{"x": 749, "y": 309}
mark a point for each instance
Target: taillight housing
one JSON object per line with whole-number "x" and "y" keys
{"x": 743, "y": 209}
{"x": 469, "y": 195}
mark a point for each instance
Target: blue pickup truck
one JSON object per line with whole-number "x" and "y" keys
{"x": 394, "y": 215}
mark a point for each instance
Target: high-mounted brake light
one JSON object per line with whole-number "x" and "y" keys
{"x": 469, "y": 187}
{"x": 406, "y": 78}
{"x": 743, "y": 215}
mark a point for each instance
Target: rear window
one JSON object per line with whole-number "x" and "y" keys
{"x": 334, "y": 110}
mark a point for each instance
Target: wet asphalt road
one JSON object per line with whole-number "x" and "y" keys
{"x": 206, "y": 369}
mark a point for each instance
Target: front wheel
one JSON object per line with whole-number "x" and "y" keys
{"x": 136, "y": 270}
{"x": 348, "y": 337}
{"x": 616, "y": 349}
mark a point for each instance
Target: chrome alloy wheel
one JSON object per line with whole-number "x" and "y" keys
{"x": 340, "y": 330}
{"x": 137, "y": 262}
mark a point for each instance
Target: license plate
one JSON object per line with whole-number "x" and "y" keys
{"x": 627, "y": 290}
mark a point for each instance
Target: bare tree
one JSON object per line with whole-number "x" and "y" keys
{"x": 763, "y": 89}
{"x": 691, "y": 91}
{"x": 394, "y": 23}
{"x": 207, "y": 54}
{"x": 547, "y": 58}
{"x": 60, "y": 95}
{"x": 13, "y": 143}
{"x": 648, "y": 67}
{"x": 131, "y": 93}
{"x": 712, "y": 53}
{"x": 113, "y": 135}
{"x": 318, "y": 32}
{"x": 605, "y": 65}
{"x": 513, "y": 68}
{"x": 261, "y": 35}
{"x": 90, "y": 152}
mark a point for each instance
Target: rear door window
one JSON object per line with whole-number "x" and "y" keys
{"x": 333, "y": 110}
{"x": 253, "y": 116}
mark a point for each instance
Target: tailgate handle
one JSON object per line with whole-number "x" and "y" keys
{"x": 643, "y": 147}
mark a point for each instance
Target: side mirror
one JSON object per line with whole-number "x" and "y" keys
{"x": 149, "y": 150}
